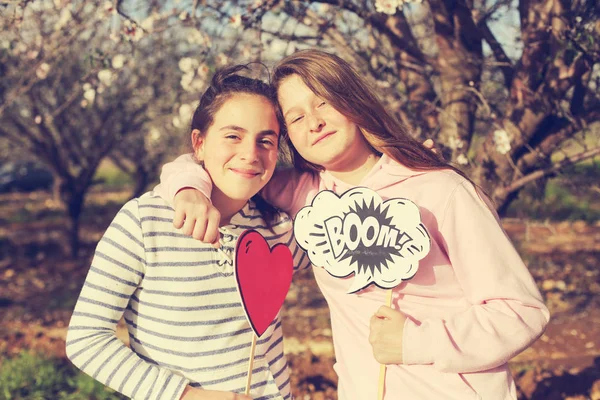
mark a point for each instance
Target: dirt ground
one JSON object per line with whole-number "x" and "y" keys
{"x": 39, "y": 285}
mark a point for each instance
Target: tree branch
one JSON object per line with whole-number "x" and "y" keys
{"x": 519, "y": 183}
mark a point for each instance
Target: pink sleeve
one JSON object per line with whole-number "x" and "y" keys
{"x": 290, "y": 189}
{"x": 181, "y": 173}
{"x": 506, "y": 312}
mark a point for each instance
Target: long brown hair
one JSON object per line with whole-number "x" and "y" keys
{"x": 335, "y": 81}
{"x": 225, "y": 84}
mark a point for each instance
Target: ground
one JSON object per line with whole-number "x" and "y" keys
{"x": 39, "y": 285}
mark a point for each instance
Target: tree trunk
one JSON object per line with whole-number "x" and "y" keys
{"x": 142, "y": 178}
{"x": 459, "y": 64}
{"x": 73, "y": 195}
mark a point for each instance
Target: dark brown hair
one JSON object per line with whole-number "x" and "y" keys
{"x": 335, "y": 81}
{"x": 224, "y": 85}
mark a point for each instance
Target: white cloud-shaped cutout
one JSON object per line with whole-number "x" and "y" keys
{"x": 380, "y": 242}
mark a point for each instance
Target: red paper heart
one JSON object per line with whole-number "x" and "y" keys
{"x": 263, "y": 276}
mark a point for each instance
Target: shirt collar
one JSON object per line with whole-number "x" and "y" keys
{"x": 385, "y": 172}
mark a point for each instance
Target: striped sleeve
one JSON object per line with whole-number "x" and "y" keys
{"x": 115, "y": 274}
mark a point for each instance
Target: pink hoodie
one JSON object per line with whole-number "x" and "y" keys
{"x": 471, "y": 306}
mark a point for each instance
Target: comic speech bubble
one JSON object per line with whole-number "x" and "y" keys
{"x": 380, "y": 242}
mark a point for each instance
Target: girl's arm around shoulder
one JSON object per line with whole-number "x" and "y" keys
{"x": 286, "y": 190}
{"x": 289, "y": 189}
{"x": 506, "y": 312}
{"x": 116, "y": 272}
{"x": 183, "y": 172}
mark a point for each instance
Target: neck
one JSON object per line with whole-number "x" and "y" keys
{"x": 355, "y": 169}
{"x": 227, "y": 207}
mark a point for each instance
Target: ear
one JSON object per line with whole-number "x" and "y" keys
{"x": 198, "y": 144}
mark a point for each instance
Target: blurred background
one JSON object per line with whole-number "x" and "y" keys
{"x": 96, "y": 95}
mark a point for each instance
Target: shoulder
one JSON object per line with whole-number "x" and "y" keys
{"x": 147, "y": 209}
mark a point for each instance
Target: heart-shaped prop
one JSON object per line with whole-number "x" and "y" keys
{"x": 263, "y": 276}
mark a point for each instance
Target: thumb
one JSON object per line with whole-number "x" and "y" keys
{"x": 386, "y": 312}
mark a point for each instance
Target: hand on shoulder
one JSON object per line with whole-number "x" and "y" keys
{"x": 196, "y": 216}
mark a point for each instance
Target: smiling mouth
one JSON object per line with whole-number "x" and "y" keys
{"x": 323, "y": 137}
{"x": 245, "y": 173}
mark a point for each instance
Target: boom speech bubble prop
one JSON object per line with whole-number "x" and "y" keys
{"x": 381, "y": 242}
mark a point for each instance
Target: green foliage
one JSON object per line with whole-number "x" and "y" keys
{"x": 573, "y": 195}
{"x": 112, "y": 177}
{"x": 34, "y": 377}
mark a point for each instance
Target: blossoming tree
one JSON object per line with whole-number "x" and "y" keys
{"x": 503, "y": 85}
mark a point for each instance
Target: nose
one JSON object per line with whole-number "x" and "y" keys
{"x": 249, "y": 151}
{"x": 316, "y": 122}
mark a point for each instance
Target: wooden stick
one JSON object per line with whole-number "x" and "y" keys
{"x": 382, "y": 366}
{"x": 250, "y": 364}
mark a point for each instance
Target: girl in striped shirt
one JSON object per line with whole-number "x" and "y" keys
{"x": 188, "y": 334}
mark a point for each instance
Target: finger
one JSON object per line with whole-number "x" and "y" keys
{"x": 179, "y": 218}
{"x": 188, "y": 226}
{"x": 212, "y": 229}
{"x": 386, "y": 312}
{"x": 200, "y": 230}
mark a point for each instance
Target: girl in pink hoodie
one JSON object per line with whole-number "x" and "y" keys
{"x": 472, "y": 304}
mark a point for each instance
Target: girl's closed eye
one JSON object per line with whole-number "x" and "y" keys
{"x": 266, "y": 142}
{"x": 321, "y": 104}
{"x": 298, "y": 118}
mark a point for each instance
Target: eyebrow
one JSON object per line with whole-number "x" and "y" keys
{"x": 267, "y": 132}
{"x": 293, "y": 109}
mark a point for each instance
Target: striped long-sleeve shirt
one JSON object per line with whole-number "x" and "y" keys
{"x": 180, "y": 303}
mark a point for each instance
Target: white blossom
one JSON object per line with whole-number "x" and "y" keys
{"x": 65, "y": 17}
{"x": 137, "y": 34}
{"x": 197, "y": 84}
{"x": 203, "y": 71}
{"x": 19, "y": 48}
{"x": 462, "y": 159}
{"x": 154, "y": 134}
{"x": 38, "y": 119}
{"x": 105, "y": 76}
{"x": 177, "y": 122}
{"x": 186, "y": 81}
{"x": 187, "y": 64}
{"x": 25, "y": 113}
{"x": 454, "y": 142}
{"x": 387, "y": 6}
{"x": 390, "y": 6}
{"x": 84, "y": 103}
{"x": 118, "y": 61}
{"x": 87, "y": 86}
{"x": 184, "y": 15}
{"x": 246, "y": 52}
{"x": 236, "y": 21}
{"x": 89, "y": 95}
{"x": 32, "y": 54}
{"x": 222, "y": 59}
{"x": 185, "y": 112}
{"x": 502, "y": 141}
{"x": 148, "y": 23}
{"x": 42, "y": 71}
{"x": 195, "y": 37}
{"x": 257, "y": 3}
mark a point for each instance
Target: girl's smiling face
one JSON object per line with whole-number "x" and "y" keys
{"x": 320, "y": 133}
{"x": 239, "y": 149}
